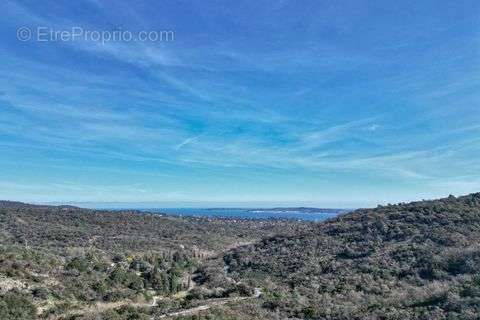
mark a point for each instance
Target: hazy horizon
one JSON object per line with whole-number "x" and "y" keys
{"x": 220, "y": 204}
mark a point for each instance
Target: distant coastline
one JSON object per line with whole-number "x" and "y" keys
{"x": 291, "y": 213}
{"x": 300, "y": 209}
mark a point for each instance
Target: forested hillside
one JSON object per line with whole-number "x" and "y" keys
{"x": 66, "y": 226}
{"x": 71, "y": 263}
{"x": 408, "y": 261}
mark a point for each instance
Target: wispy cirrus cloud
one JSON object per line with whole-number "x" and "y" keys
{"x": 264, "y": 103}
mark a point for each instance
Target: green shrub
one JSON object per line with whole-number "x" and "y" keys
{"x": 16, "y": 306}
{"x": 77, "y": 263}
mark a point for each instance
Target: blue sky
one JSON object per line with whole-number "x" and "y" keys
{"x": 327, "y": 103}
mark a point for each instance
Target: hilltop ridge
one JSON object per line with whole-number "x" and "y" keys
{"x": 418, "y": 260}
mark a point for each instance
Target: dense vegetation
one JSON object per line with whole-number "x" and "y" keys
{"x": 66, "y": 262}
{"x": 408, "y": 261}
{"x": 66, "y": 227}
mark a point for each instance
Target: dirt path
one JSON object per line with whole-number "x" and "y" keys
{"x": 208, "y": 305}
{"x": 100, "y": 307}
{"x": 104, "y": 306}
{"x": 197, "y": 309}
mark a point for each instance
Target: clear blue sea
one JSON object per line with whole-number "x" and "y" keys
{"x": 246, "y": 213}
